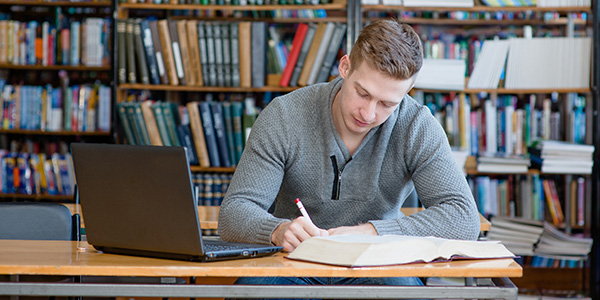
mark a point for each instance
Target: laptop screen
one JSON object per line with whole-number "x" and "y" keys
{"x": 137, "y": 197}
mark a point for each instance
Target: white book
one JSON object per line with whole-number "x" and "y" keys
{"x": 375, "y": 250}
{"x": 443, "y": 74}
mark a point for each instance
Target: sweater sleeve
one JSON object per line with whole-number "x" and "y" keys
{"x": 440, "y": 184}
{"x": 244, "y": 215}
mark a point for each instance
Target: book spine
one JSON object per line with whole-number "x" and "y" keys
{"x": 149, "y": 51}
{"x": 209, "y": 134}
{"x": 142, "y": 64}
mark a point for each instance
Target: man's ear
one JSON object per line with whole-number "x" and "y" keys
{"x": 344, "y": 66}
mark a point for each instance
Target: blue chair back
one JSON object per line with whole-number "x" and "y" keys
{"x": 35, "y": 221}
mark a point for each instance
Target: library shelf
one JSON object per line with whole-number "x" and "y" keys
{"x": 273, "y": 20}
{"x": 510, "y": 91}
{"x": 189, "y": 88}
{"x": 58, "y": 133}
{"x": 331, "y": 6}
{"x": 54, "y": 67}
{"x": 212, "y": 169}
{"x": 56, "y": 3}
{"x": 479, "y": 8}
{"x": 59, "y": 198}
{"x": 558, "y": 22}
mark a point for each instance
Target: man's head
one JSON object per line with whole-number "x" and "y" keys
{"x": 377, "y": 75}
{"x": 389, "y": 47}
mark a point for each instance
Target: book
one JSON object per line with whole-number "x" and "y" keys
{"x": 165, "y": 42}
{"x": 122, "y": 51}
{"x": 141, "y": 63}
{"x": 186, "y": 61}
{"x": 216, "y": 109}
{"x": 244, "y": 34}
{"x": 158, "y": 53}
{"x": 331, "y": 54}
{"x": 203, "y": 53}
{"x": 286, "y": 75}
{"x": 209, "y": 134}
{"x": 312, "y": 54}
{"x": 259, "y": 53}
{"x": 130, "y": 52}
{"x": 310, "y": 34}
{"x": 321, "y": 52}
{"x": 150, "y": 122}
{"x": 198, "y": 133}
{"x": 148, "y": 40}
{"x": 373, "y": 250}
{"x": 194, "y": 53}
{"x": 234, "y": 29}
{"x": 177, "y": 53}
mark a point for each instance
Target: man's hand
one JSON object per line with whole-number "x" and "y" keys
{"x": 291, "y": 233}
{"x": 367, "y": 229}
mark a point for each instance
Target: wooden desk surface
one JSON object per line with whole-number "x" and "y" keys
{"x": 64, "y": 258}
{"x": 204, "y": 211}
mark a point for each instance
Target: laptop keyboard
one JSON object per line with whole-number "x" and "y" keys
{"x": 211, "y": 246}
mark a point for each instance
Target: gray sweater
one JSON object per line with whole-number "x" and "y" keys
{"x": 294, "y": 151}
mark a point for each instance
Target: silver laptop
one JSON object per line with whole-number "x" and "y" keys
{"x": 139, "y": 200}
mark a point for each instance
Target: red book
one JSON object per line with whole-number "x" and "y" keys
{"x": 293, "y": 57}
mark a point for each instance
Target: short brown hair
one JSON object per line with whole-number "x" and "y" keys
{"x": 390, "y": 47}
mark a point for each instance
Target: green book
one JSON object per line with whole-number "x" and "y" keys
{"x": 171, "y": 121}
{"x": 161, "y": 123}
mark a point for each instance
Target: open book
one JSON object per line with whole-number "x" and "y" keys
{"x": 369, "y": 250}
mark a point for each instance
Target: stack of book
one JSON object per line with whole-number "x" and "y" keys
{"x": 501, "y": 163}
{"x": 558, "y": 248}
{"x": 519, "y": 235}
{"x": 561, "y": 157}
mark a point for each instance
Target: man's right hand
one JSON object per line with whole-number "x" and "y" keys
{"x": 291, "y": 233}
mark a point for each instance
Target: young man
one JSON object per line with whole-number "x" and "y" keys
{"x": 352, "y": 150}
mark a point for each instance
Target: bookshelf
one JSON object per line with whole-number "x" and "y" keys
{"x": 56, "y": 88}
{"x": 433, "y": 22}
{"x": 196, "y": 88}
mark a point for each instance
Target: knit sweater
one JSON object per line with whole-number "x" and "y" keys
{"x": 294, "y": 151}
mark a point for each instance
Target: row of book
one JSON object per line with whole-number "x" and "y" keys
{"x": 533, "y": 63}
{"x": 422, "y": 3}
{"x": 539, "y": 3}
{"x": 81, "y": 108}
{"x": 231, "y": 2}
{"x": 213, "y": 132}
{"x": 191, "y": 52}
{"x": 541, "y": 242}
{"x": 486, "y": 15}
{"x": 36, "y": 173}
{"x": 531, "y": 197}
{"x": 560, "y": 157}
{"x": 234, "y": 54}
{"x": 506, "y": 124}
{"x": 83, "y": 42}
{"x": 211, "y": 188}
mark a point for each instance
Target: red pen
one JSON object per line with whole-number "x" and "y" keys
{"x": 303, "y": 210}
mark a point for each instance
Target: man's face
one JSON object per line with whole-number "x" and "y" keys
{"x": 367, "y": 98}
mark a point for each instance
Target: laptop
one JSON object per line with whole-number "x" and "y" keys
{"x": 139, "y": 200}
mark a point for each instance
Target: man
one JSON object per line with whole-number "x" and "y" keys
{"x": 352, "y": 150}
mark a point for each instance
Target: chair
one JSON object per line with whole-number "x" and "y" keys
{"x": 36, "y": 221}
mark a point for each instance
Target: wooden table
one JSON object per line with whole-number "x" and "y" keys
{"x": 19, "y": 257}
{"x": 208, "y": 216}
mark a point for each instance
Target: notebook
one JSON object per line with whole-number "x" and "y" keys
{"x": 139, "y": 200}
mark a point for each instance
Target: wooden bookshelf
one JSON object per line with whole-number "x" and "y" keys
{"x": 478, "y": 8}
{"x": 559, "y": 22}
{"x": 187, "y": 88}
{"x": 337, "y": 5}
{"x": 57, "y": 3}
{"x": 57, "y": 198}
{"x": 212, "y": 169}
{"x": 54, "y": 67}
{"x": 58, "y": 133}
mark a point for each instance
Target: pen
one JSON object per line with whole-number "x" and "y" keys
{"x": 302, "y": 210}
